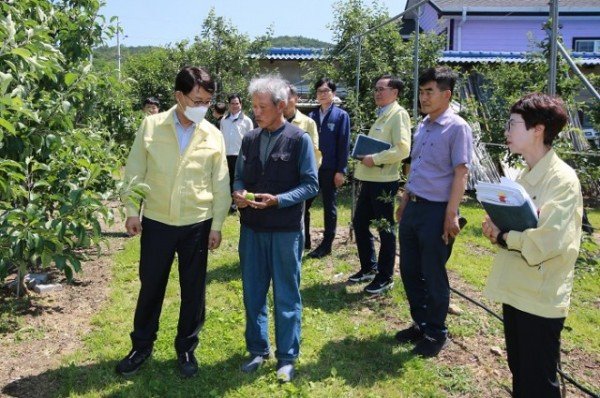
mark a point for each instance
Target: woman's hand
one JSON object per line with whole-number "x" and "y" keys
{"x": 490, "y": 230}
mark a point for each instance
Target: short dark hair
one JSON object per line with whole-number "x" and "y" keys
{"x": 325, "y": 80}
{"x": 395, "y": 82}
{"x": 220, "y": 107}
{"x": 151, "y": 101}
{"x": 538, "y": 108}
{"x": 444, "y": 77}
{"x": 234, "y": 96}
{"x": 190, "y": 76}
{"x": 293, "y": 90}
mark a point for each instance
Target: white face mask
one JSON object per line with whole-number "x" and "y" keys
{"x": 196, "y": 113}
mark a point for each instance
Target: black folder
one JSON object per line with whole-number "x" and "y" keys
{"x": 511, "y": 218}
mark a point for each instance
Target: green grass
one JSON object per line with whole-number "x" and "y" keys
{"x": 347, "y": 341}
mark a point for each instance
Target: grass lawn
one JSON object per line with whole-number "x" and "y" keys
{"x": 347, "y": 346}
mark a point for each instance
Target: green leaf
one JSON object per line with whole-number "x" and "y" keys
{"x": 70, "y": 78}
{"x": 75, "y": 263}
{"x": 7, "y": 125}
{"x": 22, "y": 52}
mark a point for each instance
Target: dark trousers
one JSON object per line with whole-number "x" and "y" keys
{"x": 159, "y": 243}
{"x": 376, "y": 202}
{"x": 329, "y": 193}
{"x": 423, "y": 256}
{"x": 533, "y": 350}
{"x": 231, "y": 160}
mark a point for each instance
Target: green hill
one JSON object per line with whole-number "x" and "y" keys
{"x": 298, "y": 41}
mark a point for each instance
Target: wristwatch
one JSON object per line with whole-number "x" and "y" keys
{"x": 500, "y": 239}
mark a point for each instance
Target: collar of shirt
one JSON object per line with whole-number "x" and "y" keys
{"x": 267, "y": 142}
{"x": 236, "y": 116}
{"x": 184, "y": 134}
{"x": 540, "y": 169}
{"x": 381, "y": 110}
{"x": 291, "y": 119}
{"x": 323, "y": 114}
{"x": 178, "y": 125}
{"x": 442, "y": 119}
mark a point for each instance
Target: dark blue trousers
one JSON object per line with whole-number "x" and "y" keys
{"x": 329, "y": 194}
{"x": 423, "y": 256}
{"x": 372, "y": 205}
{"x": 159, "y": 243}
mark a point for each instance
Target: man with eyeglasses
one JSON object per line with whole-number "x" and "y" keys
{"x": 379, "y": 175}
{"x": 333, "y": 125}
{"x": 234, "y": 125}
{"x": 428, "y": 212}
{"x": 181, "y": 157}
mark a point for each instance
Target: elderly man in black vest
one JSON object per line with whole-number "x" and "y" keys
{"x": 275, "y": 173}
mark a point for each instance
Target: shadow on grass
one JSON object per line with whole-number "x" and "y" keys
{"x": 360, "y": 362}
{"x": 158, "y": 378}
{"x": 114, "y": 234}
{"x": 224, "y": 273}
{"x": 331, "y": 297}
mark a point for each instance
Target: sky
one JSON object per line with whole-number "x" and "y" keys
{"x": 153, "y": 22}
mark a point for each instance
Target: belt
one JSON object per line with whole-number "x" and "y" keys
{"x": 414, "y": 198}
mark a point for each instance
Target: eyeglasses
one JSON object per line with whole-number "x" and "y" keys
{"x": 323, "y": 90}
{"x": 380, "y": 89}
{"x": 201, "y": 102}
{"x": 510, "y": 123}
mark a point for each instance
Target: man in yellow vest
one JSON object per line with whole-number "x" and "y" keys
{"x": 181, "y": 157}
{"x": 294, "y": 116}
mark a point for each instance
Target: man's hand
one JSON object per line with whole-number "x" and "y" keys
{"x": 239, "y": 198}
{"x": 451, "y": 227}
{"x": 133, "y": 225}
{"x": 368, "y": 161}
{"x": 263, "y": 200}
{"x": 338, "y": 179}
{"x": 403, "y": 199}
{"x": 490, "y": 230}
{"x": 214, "y": 239}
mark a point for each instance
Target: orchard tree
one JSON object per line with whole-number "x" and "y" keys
{"x": 57, "y": 164}
{"x": 152, "y": 74}
{"x": 225, "y": 52}
{"x": 383, "y": 51}
{"x": 220, "y": 48}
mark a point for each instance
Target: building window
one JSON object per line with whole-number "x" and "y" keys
{"x": 587, "y": 45}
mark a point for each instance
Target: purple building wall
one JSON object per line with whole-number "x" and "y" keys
{"x": 498, "y": 35}
{"x": 516, "y": 34}
{"x": 429, "y": 20}
{"x": 506, "y": 33}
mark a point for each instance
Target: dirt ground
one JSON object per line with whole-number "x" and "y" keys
{"x": 53, "y": 325}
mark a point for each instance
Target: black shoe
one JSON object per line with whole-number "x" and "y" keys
{"x": 253, "y": 363}
{"x": 412, "y": 334}
{"x": 429, "y": 347}
{"x": 378, "y": 286}
{"x": 362, "y": 276}
{"x": 133, "y": 361}
{"x": 285, "y": 371}
{"x": 320, "y": 252}
{"x": 187, "y": 363}
{"x": 307, "y": 244}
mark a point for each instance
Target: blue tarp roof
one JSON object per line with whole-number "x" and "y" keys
{"x": 471, "y": 57}
{"x": 291, "y": 53}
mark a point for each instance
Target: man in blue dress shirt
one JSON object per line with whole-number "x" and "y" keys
{"x": 428, "y": 212}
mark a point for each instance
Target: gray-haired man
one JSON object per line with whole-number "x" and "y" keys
{"x": 275, "y": 173}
